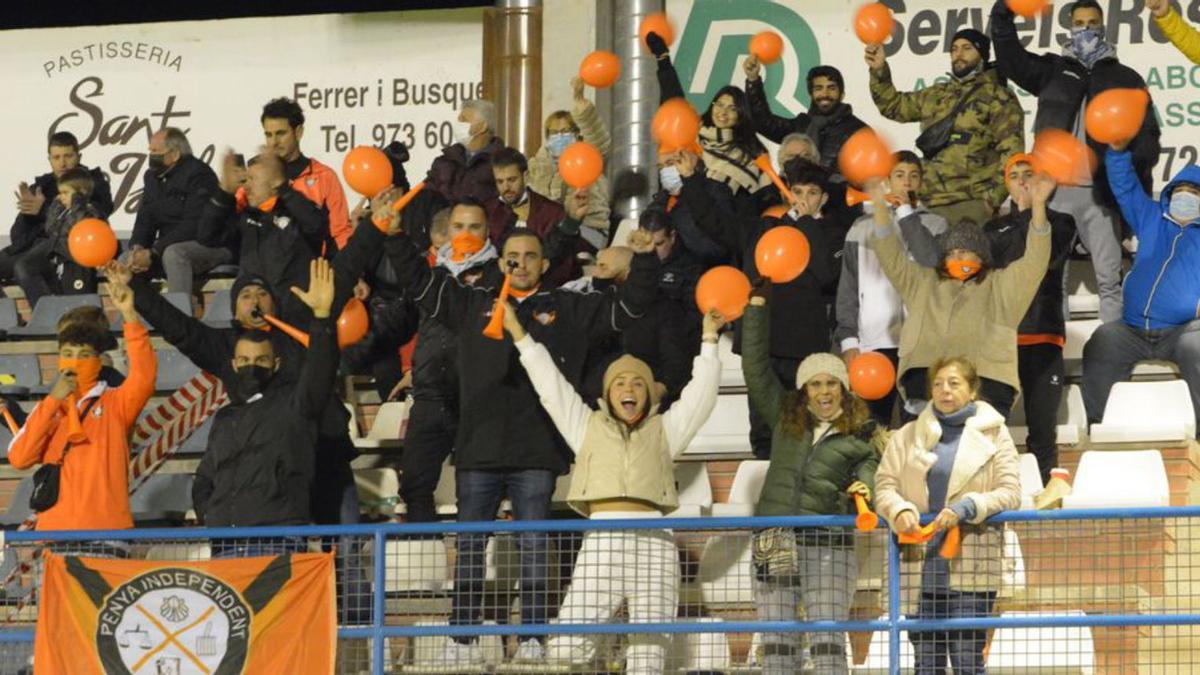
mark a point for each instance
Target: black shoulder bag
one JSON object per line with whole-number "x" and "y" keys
{"x": 48, "y": 478}
{"x": 936, "y": 136}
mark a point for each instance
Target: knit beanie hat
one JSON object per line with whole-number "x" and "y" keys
{"x": 822, "y": 363}
{"x": 634, "y": 366}
{"x": 250, "y": 280}
{"x": 982, "y": 44}
{"x": 968, "y": 236}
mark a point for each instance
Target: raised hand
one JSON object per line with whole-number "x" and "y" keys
{"x": 232, "y": 175}
{"x": 712, "y": 322}
{"x": 751, "y": 68}
{"x": 119, "y": 292}
{"x": 512, "y": 323}
{"x": 686, "y": 162}
{"x": 875, "y": 58}
{"x": 1040, "y": 189}
{"x": 319, "y": 296}
{"x": 1158, "y": 8}
{"x": 577, "y": 204}
{"x": 640, "y": 241}
{"x": 658, "y": 46}
{"x": 577, "y": 89}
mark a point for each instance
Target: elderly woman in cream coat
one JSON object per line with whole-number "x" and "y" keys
{"x": 624, "y": 468}
{"x": 958, "y": 461}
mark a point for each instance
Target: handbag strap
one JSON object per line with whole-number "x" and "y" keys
{"x": 962, "y": 102}
{"x": 87, "y": 407}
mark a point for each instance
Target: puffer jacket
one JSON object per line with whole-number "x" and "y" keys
{"x": 545, "y": 179}
{"x": 988, "y": 131}
{"x": 455, "y": 174}
{"x": 803, "y": 479}
{"x": 985, "y": 471}
{"x": 829, "y": 132}
{"x": 26, "y": 230}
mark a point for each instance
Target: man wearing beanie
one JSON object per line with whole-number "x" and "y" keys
{"x": 1063, "y": 85}
{"x": 970, "y": 126}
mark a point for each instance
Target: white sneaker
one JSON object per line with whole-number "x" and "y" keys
{"x": 455, "y": 653}
{"x": 530, "y": 651}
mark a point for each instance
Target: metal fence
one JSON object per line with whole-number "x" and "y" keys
{"x": 1083, "y": 591}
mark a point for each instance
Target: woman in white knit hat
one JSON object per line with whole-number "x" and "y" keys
{"x": 623, "y": 469}
{"x": 824, "y": 450}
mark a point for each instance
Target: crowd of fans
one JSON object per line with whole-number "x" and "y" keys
{"x": 953, "y": 268}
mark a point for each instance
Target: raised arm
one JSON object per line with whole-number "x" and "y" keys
{"x": 143, "y": 366}
{"x": 766, "y": 122}
{"x": 1137, "y": 206}
{"x": 845, "y": 333}
{"x": 1185, "y": 38}
{"x": 766, "y": 391}
{"x": 1017, "y": 284}
{"x": 907, "y": 276}
{"x": 892, "y": 104}
{"x": 684, "y": 419}
{"x": 1028, "y": 71}
{"x": 669, "y": 86}
{"x": 319, "y": 371}
{"x": 588, "y": 120}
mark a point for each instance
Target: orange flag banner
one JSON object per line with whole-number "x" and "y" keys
{"x": 242, "y": 615}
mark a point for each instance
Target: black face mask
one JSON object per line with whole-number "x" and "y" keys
{"x": 252, "y": 380}
{"x": 599, "y": 284}
{"x": 157, "y": 163}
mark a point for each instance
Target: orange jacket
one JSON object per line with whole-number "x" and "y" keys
{"x": 94, "y": 488}
{"x": 321, "y": 185}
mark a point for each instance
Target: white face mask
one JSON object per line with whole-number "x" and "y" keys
{"x": 462, "y": 132}
{"x": 1184, "y": 207}
{"x": 669, "y": 178}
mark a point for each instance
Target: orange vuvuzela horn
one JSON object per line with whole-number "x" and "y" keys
{"x": 288, "y": 329}
{"x": 495, "y": 327}
{"x": 9, "y": 420}
{"x": 866, "y": 520}
{"x": 855, "y": 197}
{"x": 951, "y": 544}
{"x": 75, "y": 432}
{"x": 397, "y": 206}
{"x": 764, "y": 162}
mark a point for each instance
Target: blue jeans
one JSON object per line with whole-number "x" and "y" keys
{"x": 479, "y": 496}
{"x": 964, "y": 647}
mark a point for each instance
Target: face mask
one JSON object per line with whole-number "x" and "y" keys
{"x": 669, "y": 178}
{"x": 962, "y": 269}
{"x": 462, "y": 132}
{"x": 1085, "y": 41}
{"x": 557, "y": 143}
{"x": 87, "y": 371}
{"x": 599, "y": 284}
{"x": 252, "y": 380}
{"x": 1184, "y": 207}
{"x": 156, "y": 162}
{"x": 464, "y": 244}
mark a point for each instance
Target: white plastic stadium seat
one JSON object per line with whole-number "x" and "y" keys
{"x": 389, "y": 421}
{"x": 1107, "y": 479}
{"x": 745, "y": 490}
{"x": 725, "y": 571}
{"x": 415, "y": 566}
{"x": 1071, "y": 419}
{"x": 445, "y": 498}
{"x": 731, "y": 364}
{"x": 1078, "y": 333}
{"x": 695, "y": 490}
{"x": 1042, "y": 650}
{"x": 621, "y": 237}
{"x": 727, "y": 430}
{"x": 1031, "y": 480}
{"x": 1147, "y": 412}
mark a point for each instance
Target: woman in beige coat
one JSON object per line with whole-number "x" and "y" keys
{"x": 956, "y": 460}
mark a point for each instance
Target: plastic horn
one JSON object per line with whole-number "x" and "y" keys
{"x": 75, "y": 432}
{"x": 764, "y": 162}
{"x": 866, "y": 520}
{"x": 399, "y": 204}
{"x": 855, "y": 197}
{"x": 290, "y": 330}
{"x": 921, "y": 537}
{"x": 495, "y": 327}
{"x": 8, "y": 419}
{"x": 951, "y": 544}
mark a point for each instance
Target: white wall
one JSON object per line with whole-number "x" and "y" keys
{"x": 568, "y": 35}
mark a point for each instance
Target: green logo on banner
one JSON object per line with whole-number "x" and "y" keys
{"x": 718, "y": 33}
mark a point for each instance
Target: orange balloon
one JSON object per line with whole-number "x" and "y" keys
{"x": 781, "y": 254}
{"x": 1116, "y": 115}
{"x": 1029, "y": 8}
{"x": 873, "y": 23}
{"x": 353, "y": 323}
{"x": 600, "y": 69}
{"x": 776, "y": 211}
{"x": 657, "y": 23}
{"x": 872, "y": 376}
{"x": 580, "y": 165}
{"x": 1063, "y": 157}
{"x": 675, "y": 125}
{"x": 725, "y": 289}
{"x": 864, "y": 156}
{"x": 92, "y": 243}
{"x": 767, "y": 46}
{"x": 367, "y": 170}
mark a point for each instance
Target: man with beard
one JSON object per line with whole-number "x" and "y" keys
{"x": 829, "y": 122}
{"x": 1063, "y": 85}
{"x": 971, "y": 125}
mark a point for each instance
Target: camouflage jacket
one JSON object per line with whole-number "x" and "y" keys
{"x": 988, "y": 131}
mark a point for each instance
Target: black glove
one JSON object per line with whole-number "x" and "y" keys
{"x": 657, "y": 45}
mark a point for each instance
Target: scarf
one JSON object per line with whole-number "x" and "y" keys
{"x": 728, "y": 163}
{"x": 1103, "y": 50}
{"x": 445, "y": 258}
{"x": 818, "y": 121}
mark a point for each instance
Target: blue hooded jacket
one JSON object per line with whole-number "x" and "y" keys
{"x": 1163, "y": 288}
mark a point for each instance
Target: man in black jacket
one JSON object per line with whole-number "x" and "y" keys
{"x": 23, "y": 259}
{"x": 829, "y": 121}
{"x": 701, "y": 210}
{"x": 259, "y": 465}
{"x": 1063, "y": 85}
{"x": 506, "y": 443}
{"x": 277, "y": 229}
{"x": 175, "y": 189}
{"x": 1042, "y": 333}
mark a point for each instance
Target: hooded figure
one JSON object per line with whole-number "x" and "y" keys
{"x": 624, "y": 468}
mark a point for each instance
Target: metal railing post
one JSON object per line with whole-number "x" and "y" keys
{"x": 378, "y": 602}
{"x": 893, "y": 581}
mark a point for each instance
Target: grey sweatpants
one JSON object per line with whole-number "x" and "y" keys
{"x": 825, "y": 584}
{"x": 182, "y": 261}
{"x": 1098, "y": 227}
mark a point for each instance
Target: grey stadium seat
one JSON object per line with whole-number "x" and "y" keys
{"x": 163, "y": 496}
{"x": 8, "y": 314}
{"x": 44, "y": 320}
{"x": 174, "y": 369}
{"x": 219, "y": 311}
{"x": 25, "y": 369}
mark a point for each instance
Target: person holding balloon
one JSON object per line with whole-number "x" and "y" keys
{"x": 1088, "y": 70}
{"x": 965, "y": 306}
{"x": 970, "y": 126}
{"x": 71, "y": 205}
{"x": 561, "y": 129}
{"x": 701, "y": 211}
{"x": 1042, "y": 332}
{"x": 869, "y": 311}
{"x": 824, "y": 451}
{"x": 1185, "y": 38}
{"x": 958, "y": 461}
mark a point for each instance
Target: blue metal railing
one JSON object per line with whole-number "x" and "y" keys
{"x": 894, "y": 624}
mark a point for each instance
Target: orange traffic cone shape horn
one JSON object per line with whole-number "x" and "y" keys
{"x": 495, "y": 327}
{"x": 291, "y": 331}
{"x": 75, "y": 432}
{"x": 855, "y": 197}
{"x": 9, "y": 420}
{"x": 866, "y": 520}
{"x": 764, "y": 162}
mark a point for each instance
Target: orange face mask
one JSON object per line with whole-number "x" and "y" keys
{"x": 962, "y": 269}
{"x": 465, "y": 244}
{"x": 87, "y": 372}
